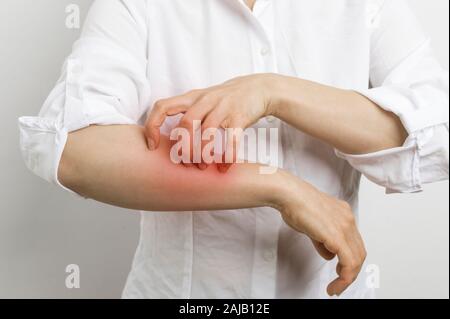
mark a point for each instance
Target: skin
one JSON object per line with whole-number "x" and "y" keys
{"x": 250, "y": 4}
{"x": 95, "y": 165}
{"x": 344, "y": 119}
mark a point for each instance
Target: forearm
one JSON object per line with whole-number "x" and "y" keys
{"x": 112, "y": 164}
{"x": 344, "y": 119}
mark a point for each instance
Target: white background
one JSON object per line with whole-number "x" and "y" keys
{"x": 43, "y": 229}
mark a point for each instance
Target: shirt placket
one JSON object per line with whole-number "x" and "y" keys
{"x": 263, "y": 281}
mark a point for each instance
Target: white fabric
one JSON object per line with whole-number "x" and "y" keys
{"x": 132, "y": 53}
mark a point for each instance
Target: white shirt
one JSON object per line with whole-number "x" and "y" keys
{"x": 132, "y": 53}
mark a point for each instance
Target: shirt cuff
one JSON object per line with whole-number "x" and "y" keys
{"x": 396, "y": 169}
{"x": 422, "y": 159}
{"x": 42, "y": 142}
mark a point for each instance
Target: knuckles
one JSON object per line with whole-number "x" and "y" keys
{"x": 364, "y": 256}
{"x": 349, "y": 280}
{"x": 207, "y": 98}
{"x": 344, "y": 205}
{"x": 348, "y": 220}
{"x": 186, "y": 122}
{"x": 194, "y": 92}
{"x": 158, "y": 106}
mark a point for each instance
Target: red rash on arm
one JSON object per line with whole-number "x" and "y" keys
{"x": 113, "y": 164}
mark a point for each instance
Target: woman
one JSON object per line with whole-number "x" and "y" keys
{"x": 351, "y": 86}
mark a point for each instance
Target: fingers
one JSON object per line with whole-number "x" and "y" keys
{"x": 191, "y": 121}
{"x": 161, "y": 110}
{"x": 213, "y": 114}
{"x": 323, "y": 251}
{"x": 234, "y": 130}
{"x": 205, "y": 112}
{"x": 355, "y": 241}
{"x": 351, "y": 254}
{"x": 346, "y": 269}
{"x": 212, "y": 145}
{"x": 202, "y": 110}
{"x": 340, "y": 284}
{"x": 331, "y": 226}
{"x": 358, "y": 247}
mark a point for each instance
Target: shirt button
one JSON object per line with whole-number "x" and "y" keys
{"x": 270, "y": 119}
{"x": 264, "y": 51}
{"x": 269, "y": 255}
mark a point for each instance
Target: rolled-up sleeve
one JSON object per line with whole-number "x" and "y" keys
{"x": 103, "y": 82}
{"x": 406, "y": 80}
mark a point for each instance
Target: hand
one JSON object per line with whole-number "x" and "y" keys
{"x": 238, "y": 103}
{"x": 331, "y": 225}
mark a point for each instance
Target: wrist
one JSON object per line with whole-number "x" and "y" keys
{"x": 284, "y": 190}
{"x": 273, "y": 88}
{"x": 283, "y": 91}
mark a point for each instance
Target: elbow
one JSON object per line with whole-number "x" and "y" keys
{"x": 66, "y": 173}
{"x": 379, "y": 142}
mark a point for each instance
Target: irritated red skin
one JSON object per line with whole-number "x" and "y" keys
{"x": 128, "y": 174}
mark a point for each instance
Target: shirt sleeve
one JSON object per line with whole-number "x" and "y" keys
{"x": 103, "y": 82}
{"x": 406, "y": 80}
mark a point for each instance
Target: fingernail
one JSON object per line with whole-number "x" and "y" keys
{"x": 223, "y": 168}
{"x": 151, "y": 144}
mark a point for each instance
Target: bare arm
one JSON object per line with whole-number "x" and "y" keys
{"x": 344, "y": 119}
{"x": 112, "y": 164}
